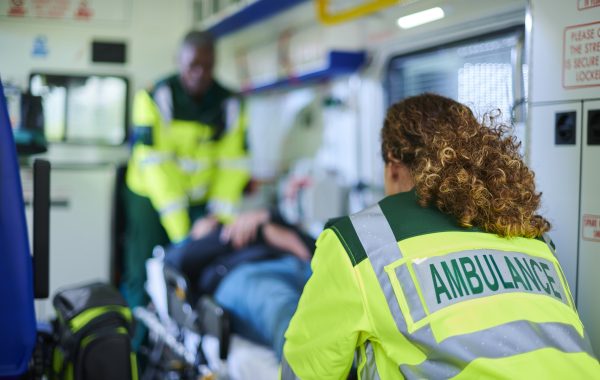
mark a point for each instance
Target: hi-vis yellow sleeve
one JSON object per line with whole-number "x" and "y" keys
{"x": 152, "y": 172}
{"x": 233, "y": 171}
{"x": 325, "y": 329}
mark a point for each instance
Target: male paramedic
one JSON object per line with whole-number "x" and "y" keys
{"x": 188, "y": 159}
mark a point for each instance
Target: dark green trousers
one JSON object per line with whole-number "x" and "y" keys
{"x": 143, "y": 232}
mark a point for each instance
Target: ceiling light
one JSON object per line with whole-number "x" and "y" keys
{"x": 420, "y": 18}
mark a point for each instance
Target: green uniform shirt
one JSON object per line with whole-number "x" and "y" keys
{"x": 188, "y": 152}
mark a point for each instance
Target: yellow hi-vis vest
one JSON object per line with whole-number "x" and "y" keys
{"x": 180, "y": 163}
{"x": 419, "y": 298}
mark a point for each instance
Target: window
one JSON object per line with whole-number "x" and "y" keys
{"x": 480, "y": 72}
{"x": 85, "y": 109}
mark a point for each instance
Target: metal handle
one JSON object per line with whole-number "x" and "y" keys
{"x": 41, "y": 227}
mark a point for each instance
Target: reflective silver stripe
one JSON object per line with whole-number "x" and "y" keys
{"x": 375, "y": 233}
{"x": 154, "y": 159}
{"x": 173, "y": 207}
{"x": 369, "y": 371}
{"x": 287, "y": 373}
{"x": 562, "y": 274}
{"x": 164, "y": 101}
{"x": 549, "y": 244}
{"x": 197, "y": 193}
{"x": 449, "y": 357}
{"x": 221, "y": 207}
{"x": 233, "y": 109}
{"x": 189, "y": 165}
{"x": 417, "y": 312}
{"x": 379, "y": 242}
{"x": 234, "y": 163}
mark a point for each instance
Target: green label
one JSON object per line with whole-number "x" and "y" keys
{"x": 446, "y": 280}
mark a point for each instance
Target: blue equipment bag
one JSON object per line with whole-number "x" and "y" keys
{"x": 17, "y": 315}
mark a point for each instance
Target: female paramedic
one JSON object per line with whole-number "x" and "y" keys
{"x": 449, "y": 275}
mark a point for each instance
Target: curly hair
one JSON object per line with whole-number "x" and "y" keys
{"x": 470, "y": 170}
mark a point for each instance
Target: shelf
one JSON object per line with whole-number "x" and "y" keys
{"x": 339, "y": 63}
{"x": 257, "y": 11}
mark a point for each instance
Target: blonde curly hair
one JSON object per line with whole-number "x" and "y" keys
{"x": 470, "y": 170}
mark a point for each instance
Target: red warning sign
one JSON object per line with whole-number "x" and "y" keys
{"x": 17, "y": 9}
{"x": 587, "y": 4}
{"x": 581, "y": 55}
{"x": 591, "y": 227}
{"x": 83, "y": 11}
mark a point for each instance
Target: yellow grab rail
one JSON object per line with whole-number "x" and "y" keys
{"x": 328, "y": 18}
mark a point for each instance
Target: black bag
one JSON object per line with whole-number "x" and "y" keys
{"x": 93, "y": 328}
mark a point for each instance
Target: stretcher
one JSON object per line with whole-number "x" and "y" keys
{"x": 190, "y": 339}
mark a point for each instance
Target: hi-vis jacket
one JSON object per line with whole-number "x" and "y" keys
{"x": 420, "y": 298}
{"x": 188, "y": 152}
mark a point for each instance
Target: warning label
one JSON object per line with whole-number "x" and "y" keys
{"x": 581, "y": 55}
{"x": 586, "y": 4}
{"x": 591, "y": 227}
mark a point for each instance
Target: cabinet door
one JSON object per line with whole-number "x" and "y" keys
{"x": 557, "y": 174}
{"x": 589, "y": 245}
{"x": 80, "y": 210}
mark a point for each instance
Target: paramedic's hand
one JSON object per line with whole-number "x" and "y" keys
{"x": 286, "y": 240}
{"x": 203, "y": 227}
{"x": 243, "y": 230}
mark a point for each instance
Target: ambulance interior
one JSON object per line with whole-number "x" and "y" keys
{"x": 318, "y": 77}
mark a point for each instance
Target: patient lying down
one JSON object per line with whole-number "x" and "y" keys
{"x": 255, "y": 267}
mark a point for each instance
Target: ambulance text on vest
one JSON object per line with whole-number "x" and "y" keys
{"x": 479, "y": 273}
